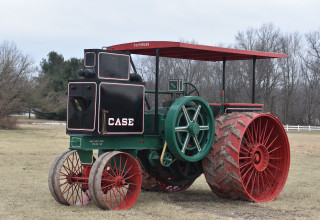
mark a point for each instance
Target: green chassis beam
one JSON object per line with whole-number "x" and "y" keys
{"x": 86, "y": 144}
{"x": 80, "y": 142}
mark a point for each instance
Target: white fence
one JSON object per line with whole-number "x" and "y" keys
{"x": 301, "y": 128}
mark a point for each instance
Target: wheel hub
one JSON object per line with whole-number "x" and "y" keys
{"x": 260, "y": 157}
{"x": 70, "y": 178}
{"x": 193, "y": 129}
{"x": 119, "y": 181}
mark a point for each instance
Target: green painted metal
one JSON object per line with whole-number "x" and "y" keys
{"x": 153, "y": 158}
{"x": 167, "y": 159}
{"x": 141, "y": 142}
{"x": 149, "y": 121}
{"x": 189, "y": 135}
{"x": 173, "y": 85}
{"x": 86, "y": 157}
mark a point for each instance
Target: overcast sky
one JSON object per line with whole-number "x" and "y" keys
{"x": 69, "y": 26}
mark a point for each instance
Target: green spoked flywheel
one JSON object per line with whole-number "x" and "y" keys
{"x": 189, "y": 129}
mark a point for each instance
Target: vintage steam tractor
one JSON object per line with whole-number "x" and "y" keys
{"x": 242, "y": 152}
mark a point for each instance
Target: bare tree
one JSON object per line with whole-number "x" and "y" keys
{"x": 290, "y": 69}
{"x": 267, "y": 38}
{"x": 311, "y": 74}
{"x": 15, "y": 67}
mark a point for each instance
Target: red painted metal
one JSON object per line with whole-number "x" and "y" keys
{"x": 191, "y": 51}
{"x": 117, "y": 181}
{"x": 250, "y": 158}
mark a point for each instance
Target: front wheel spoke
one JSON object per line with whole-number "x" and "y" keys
{"x": 185, "y": 144}
{"x": 129, "y": 177}
{"x": 196, "y": 114}
{"x": 66, "y": 189}
{"x": 127, "y": 188}
{"x": 125, "y": 164}
{"x": 181, "y": 129}
{"x": 120, "y": 195}
{"x": 78, "y": 194}
{"x": 197, "y": 143}
{"x": 67, "y": 169}
{"x": 186, "y": 115}
{"x": 111, "y": 168}
{"x": 124, "y": 194}
{"x": 129, "y": 183}
{"x": 116, "y": 203}
{"x": 128, "y": 170}
{"x": 105, "y": 172}
{"x": 204, "y": 127}
{"x": 104, "y": 187}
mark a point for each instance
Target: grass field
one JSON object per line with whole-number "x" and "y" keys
{"x": 26, "y": 155}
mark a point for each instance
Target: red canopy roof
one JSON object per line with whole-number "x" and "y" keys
{"x": 191, "y": 51}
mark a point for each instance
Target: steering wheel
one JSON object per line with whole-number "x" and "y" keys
{"x": 189, "y": 89}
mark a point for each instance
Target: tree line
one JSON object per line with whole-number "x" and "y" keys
{"x": 26, "y": 88}
{"x": 288, "y": 87}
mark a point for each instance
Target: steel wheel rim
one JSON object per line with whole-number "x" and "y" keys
{"x": 51, "y": 176}
{"x": 264, "y": 158}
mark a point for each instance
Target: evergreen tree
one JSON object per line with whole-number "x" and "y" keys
{"x": 52, "y": 83}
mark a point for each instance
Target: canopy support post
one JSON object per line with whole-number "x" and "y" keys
{"x": 223, "y": 79}
{"x": 156, "y": 95}
{"x": 254, "y": 79}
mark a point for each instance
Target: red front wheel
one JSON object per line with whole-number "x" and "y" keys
{"x": 68, "y": 179}
{"x": 115, "y": 181}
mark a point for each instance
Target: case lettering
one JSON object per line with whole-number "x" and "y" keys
{"x": 121, "y": 122}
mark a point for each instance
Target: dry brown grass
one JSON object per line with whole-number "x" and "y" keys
{"x": 26, "y": 156}
{"x": 8, "y": 123}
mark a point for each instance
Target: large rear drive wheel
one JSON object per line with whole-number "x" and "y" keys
{"x": 250, "y": 158}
